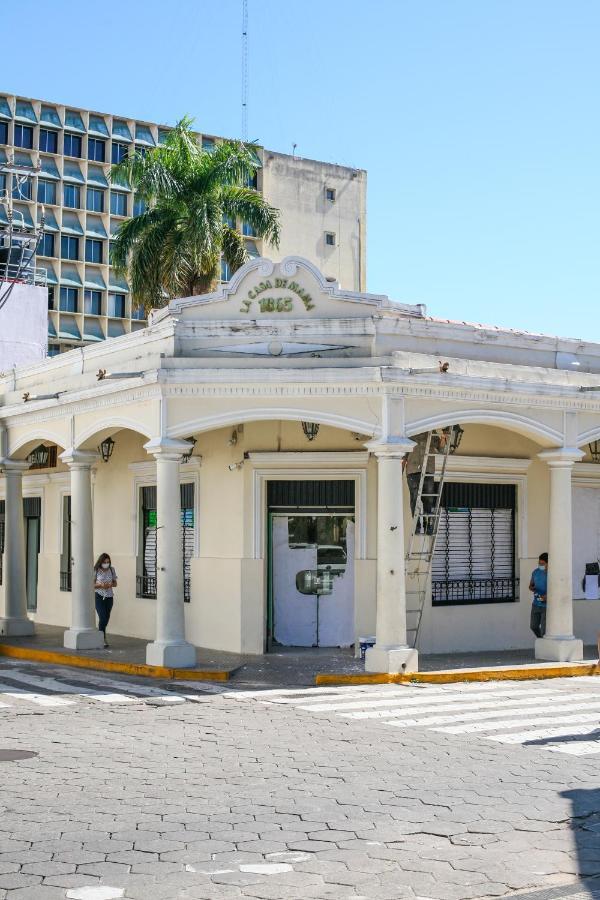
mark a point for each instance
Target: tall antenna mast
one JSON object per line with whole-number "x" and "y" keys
{"x": 244, "y": 70}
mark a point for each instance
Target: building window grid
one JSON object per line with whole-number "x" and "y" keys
{"x": 96, "y": 150}
{"x": 46, "y": 192}
{"x": 95, "y": 200}
{"x": 48, "y": 142}
{"x": 118, "y": 203}
{"x": 93, "y": 251}
{"x": 23, "y": 136}
{"x": 46, "y": 247}
{"x": 69, "y": 299}
{"x": 71, "y": 196}
{"x": 92, "y": 303}
{"x": 69, "y": 247}
{"x": 72, "y": 145}
{"x": 22, "y": 188}
{"x": 116, "y": 306}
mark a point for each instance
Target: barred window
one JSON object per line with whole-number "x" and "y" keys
{"x": 474, "y": 559}
{"x": 146, "y": 578}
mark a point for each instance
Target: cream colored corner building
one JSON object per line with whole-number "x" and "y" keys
{"x": 241, "y": 526}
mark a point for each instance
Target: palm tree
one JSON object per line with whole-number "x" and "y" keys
{"x": 193, "y": 198}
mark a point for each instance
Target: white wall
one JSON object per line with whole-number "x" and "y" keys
{"x": 296, "y": 187}
{"x": 23, "y": 326}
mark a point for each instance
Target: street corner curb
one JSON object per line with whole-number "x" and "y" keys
{"x": 534, "y": 671}
{"x": 55, "y": 658}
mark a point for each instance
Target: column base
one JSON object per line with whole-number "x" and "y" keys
{"x": 17, "y": 627}
{"x": 392, "y": 660}
{"x": 559, "y": 649}
{"x": 83, "y": 639}
{"x": 180, "y": 655}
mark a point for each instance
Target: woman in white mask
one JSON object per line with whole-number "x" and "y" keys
{"x": 105, "y": 579}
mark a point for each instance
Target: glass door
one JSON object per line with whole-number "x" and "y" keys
{"x": 312, "y": 579}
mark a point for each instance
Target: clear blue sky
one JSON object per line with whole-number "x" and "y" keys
{"x": 477, "y": 121}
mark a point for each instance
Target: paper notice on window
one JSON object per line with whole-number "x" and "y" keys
{"x": 591, "y": 587}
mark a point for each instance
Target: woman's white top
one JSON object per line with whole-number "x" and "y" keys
{"x": 105, "y": 576}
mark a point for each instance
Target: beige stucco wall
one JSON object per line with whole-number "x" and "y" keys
{"x": 228, "y": 605}
{"x": 296, "y": 187}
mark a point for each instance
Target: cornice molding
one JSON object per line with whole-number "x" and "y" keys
{"x": 469, "y": 466}
{"x": 309, "y": 458}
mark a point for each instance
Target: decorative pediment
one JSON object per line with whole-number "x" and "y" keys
{"x": 291, "y": 289}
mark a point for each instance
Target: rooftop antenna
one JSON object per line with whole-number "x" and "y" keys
{"x": 19, "y": 240}
{"x": 244, "y": 70}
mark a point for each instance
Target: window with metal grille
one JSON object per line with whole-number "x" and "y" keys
{"x": 65, "y": 556}
{"x": 474, "y": 559}
{"x": 2, "y": 525}
{"x": 32, "y": 508}
{"x": 146, "y": 578}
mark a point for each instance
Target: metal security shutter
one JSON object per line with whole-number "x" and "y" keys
{"x": 146, "y": 582}
{"x": 474, "y": 560}
{"x": 32, "y": 507}
{"x": 65, "y": 560}
{"x": 187, "y": 536}
{"x": 308, "y": 495}
{"x": 2, "y": 518}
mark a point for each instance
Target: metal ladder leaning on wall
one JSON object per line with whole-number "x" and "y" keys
{"x": 419, "y": 557}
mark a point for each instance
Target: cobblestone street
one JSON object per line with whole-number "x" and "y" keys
{"x": 156, "y": 790}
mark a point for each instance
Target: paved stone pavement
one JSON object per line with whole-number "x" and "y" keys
{"x": 160, "y": 790}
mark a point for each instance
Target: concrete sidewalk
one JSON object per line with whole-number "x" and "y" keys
{"x": 286, "y": 666}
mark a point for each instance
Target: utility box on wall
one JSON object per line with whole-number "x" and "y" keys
{"x": 23, "y": 325}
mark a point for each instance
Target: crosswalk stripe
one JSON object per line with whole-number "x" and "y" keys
{"x": 486, "y": 714}
{"x": 38, "y": 699}
{"x": 53, "y": 684}
{"x": 130, "y": 688}
{"x": 420, "y": 700}
{"x": 541, "y": 718}
{"x": 577, "y": 748}
{"x": 459, "y": 711}
{"x": 390, "y": 692}
{"x": 565, "y": 730}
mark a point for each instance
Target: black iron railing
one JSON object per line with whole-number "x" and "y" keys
{"x": 65, "y": 581}
{"x": 146, "y": 587}
{"x": 477, "y": 590}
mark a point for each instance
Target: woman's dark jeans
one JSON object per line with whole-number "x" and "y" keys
{"x": 104, "y": 607}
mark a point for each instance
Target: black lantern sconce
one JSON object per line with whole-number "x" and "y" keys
{"x": 188, "y": 453}
{"x": 594, "y": 448}
{"x": 106, "y": 449}
{"x": 310, "y": 429}
{"x": 456, "y": 436}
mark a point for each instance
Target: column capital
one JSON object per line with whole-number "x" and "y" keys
{"x": 561, "y": 457}
{"x": 393, "y": 447}
{"x": 79, "y": 459}
{"x": 14, "y": 466}
{"x": 167, "y": 448}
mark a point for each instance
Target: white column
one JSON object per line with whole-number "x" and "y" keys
{"x": 15, "y": 621}
{"x": 169, "y": 647}
{"x": 391, "y": 652}
{"x": 559, "y": 642}
{"x": 83, "y": 633}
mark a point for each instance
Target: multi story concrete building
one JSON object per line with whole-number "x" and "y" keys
{"x": 70, "y": 152}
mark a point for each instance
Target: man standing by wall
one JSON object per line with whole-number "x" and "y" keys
{"x": 539, "y": 586}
